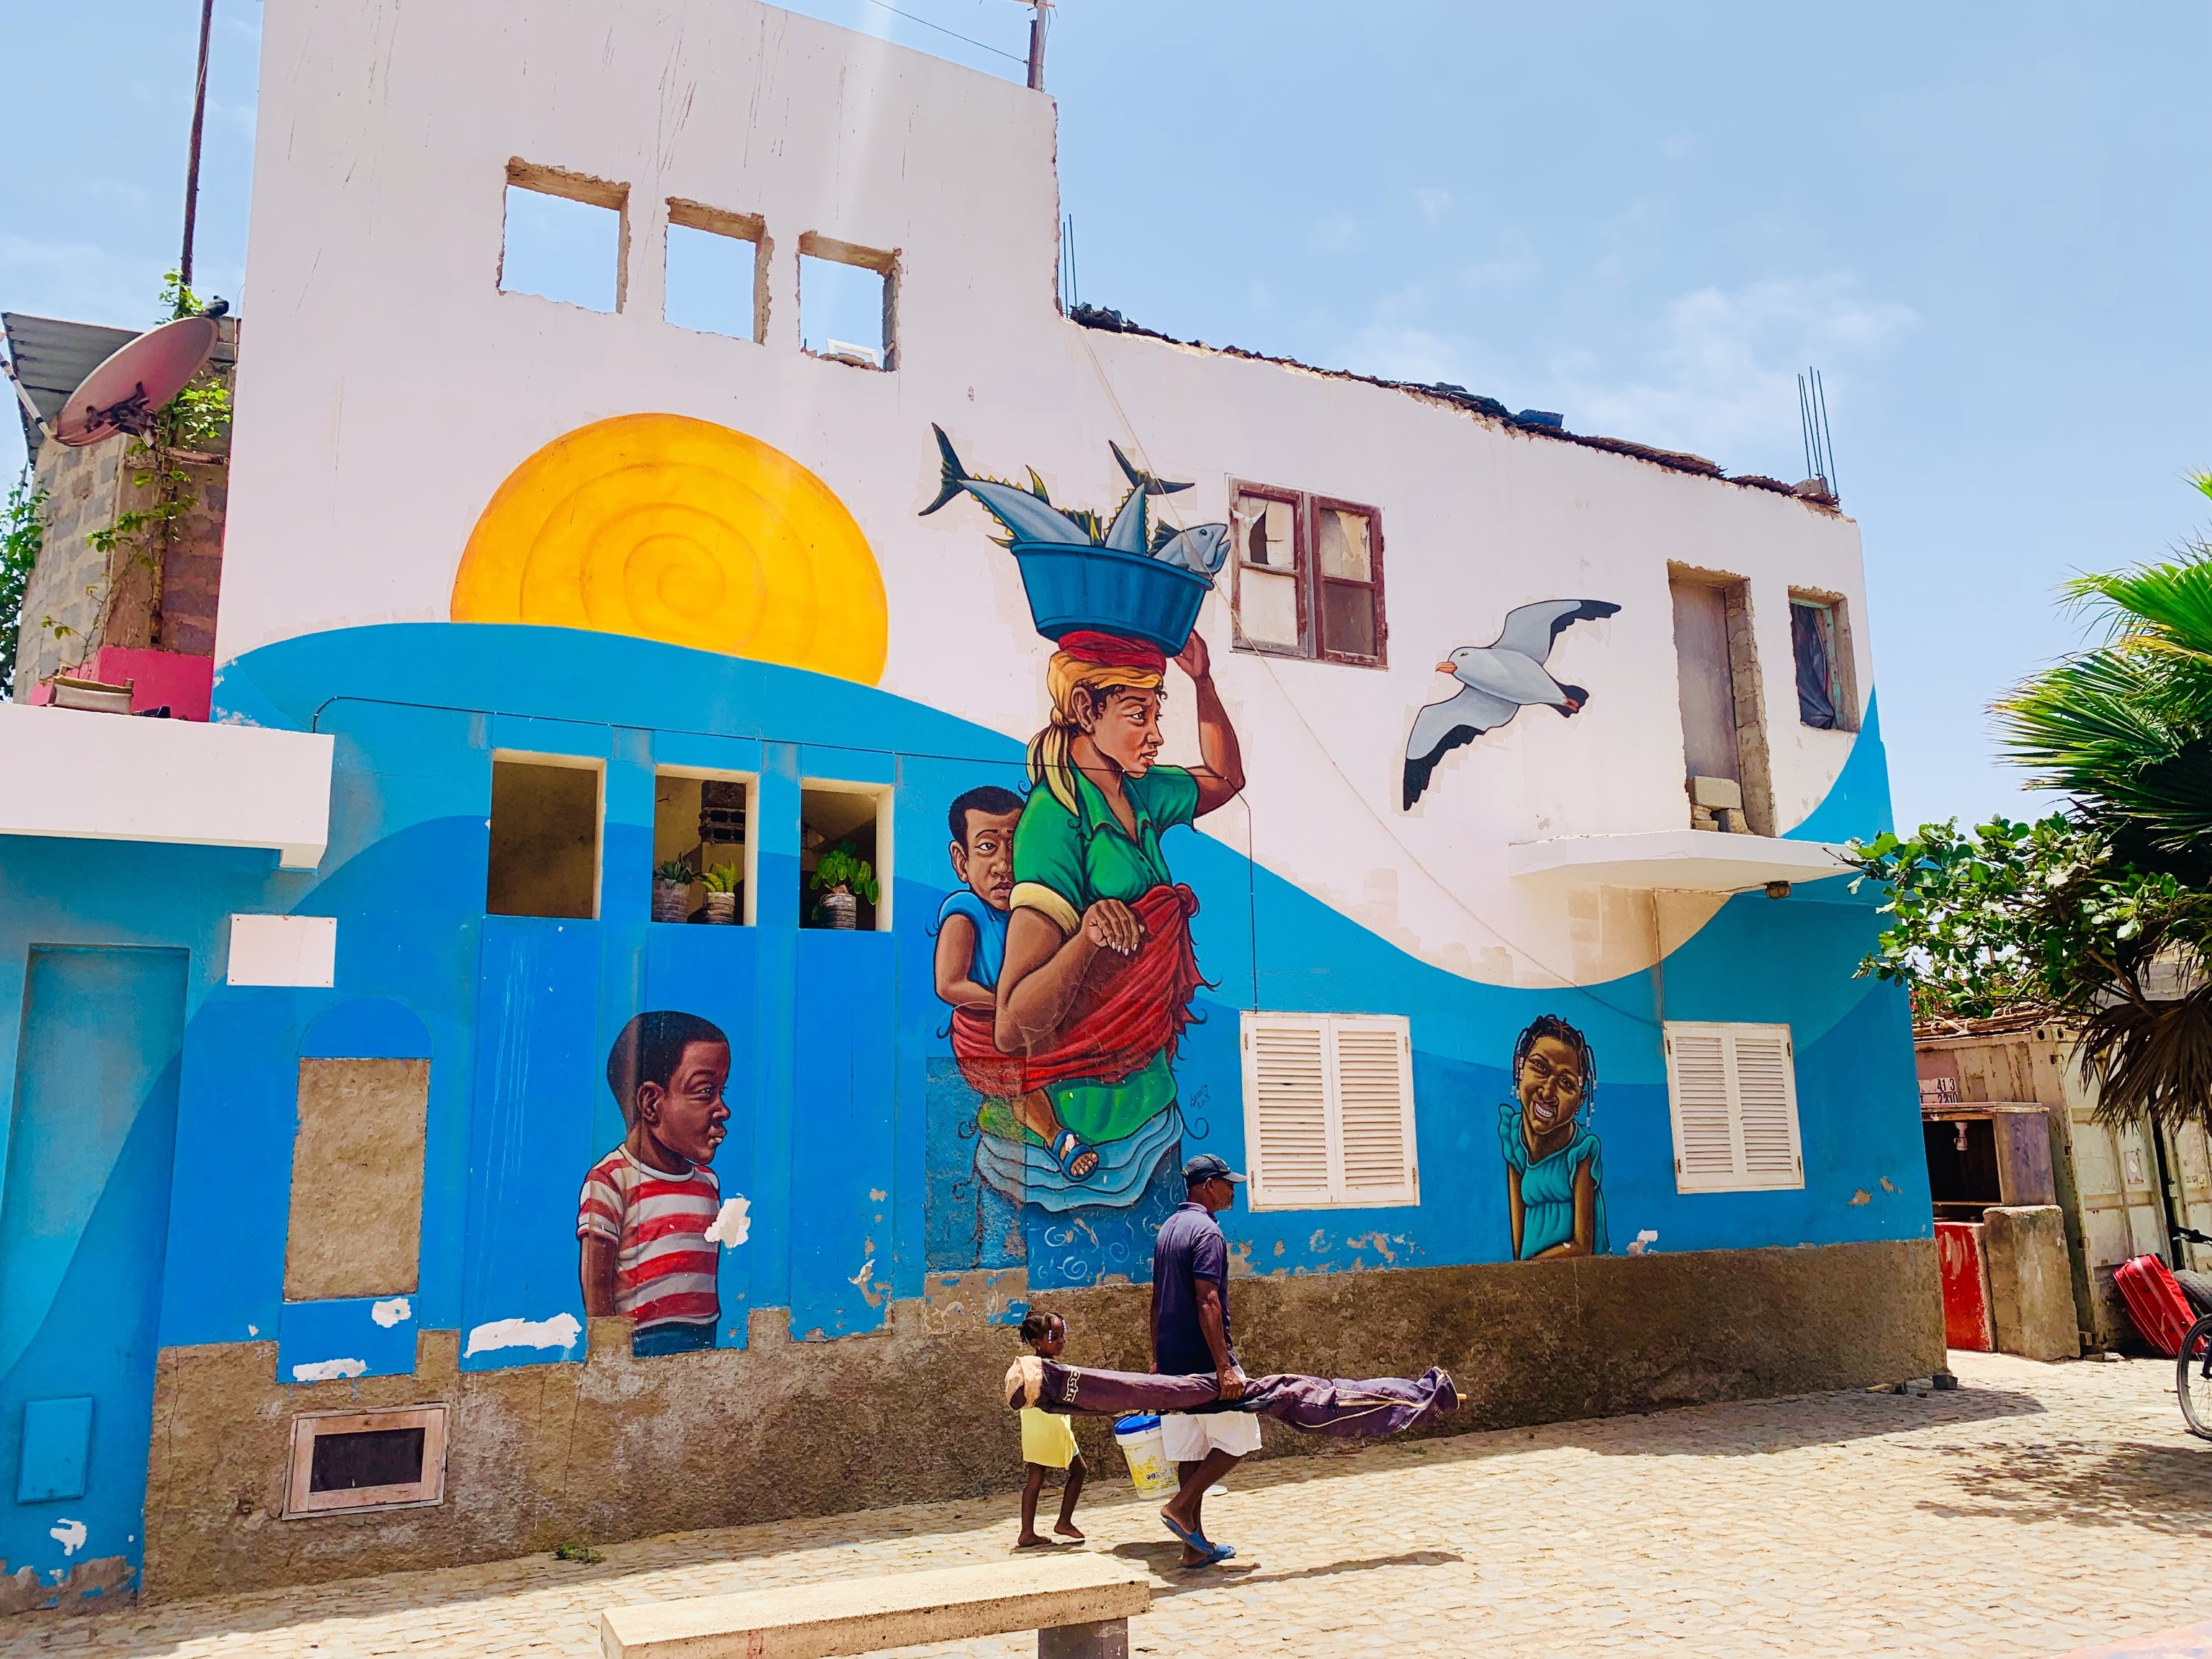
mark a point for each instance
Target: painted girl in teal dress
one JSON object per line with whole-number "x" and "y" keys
{"x": 1554, "y": 1177}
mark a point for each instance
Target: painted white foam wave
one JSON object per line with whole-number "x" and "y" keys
{"x": 732, "y": 1226}
{"x": 390, "y": 1311}
{"x": 323, "y": 1370}
{"x": 559, "y": 1332}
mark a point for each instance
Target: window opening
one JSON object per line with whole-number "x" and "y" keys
{"x": 844, "y": 839}
{"x": 702, "y": 871}
{"x": 1309, "y": 577}
{"x": 1732, "y": 1095}
{"x": 1819, "y": 645}
{"x": 1329, "y": 1110}
{"x": 716, "y": 269}
{"x": 356, "y": 1460}
{"x": 544, "y": 838}
{"x": 1724, "y": 727}
{"x": 847, "y": 299}
{"x": 566, "y": 237}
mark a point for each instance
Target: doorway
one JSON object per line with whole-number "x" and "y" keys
{"x": 1724, "y": 763}
{"x": 84, "y": 1214}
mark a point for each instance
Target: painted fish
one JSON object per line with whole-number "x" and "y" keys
{"x": 1203, "y": 548}
{"x": 1029, "y": 516}
{"x": 1132, "y": 527}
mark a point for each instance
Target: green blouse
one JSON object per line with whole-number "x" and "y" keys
{"x": 1064, "y": 861}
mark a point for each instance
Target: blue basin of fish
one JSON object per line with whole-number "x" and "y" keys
{"x": 1072, "y": 585}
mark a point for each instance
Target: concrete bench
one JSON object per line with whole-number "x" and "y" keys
{"x": 1078, "y": 1604}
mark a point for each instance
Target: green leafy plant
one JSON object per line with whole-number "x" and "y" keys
{"x": 2101, "y": 914}
{"x": 581, "y": 1552}
{"x": 722, "y": 879}
{"x": 674, "y": 870}
{"x": 186, "y": 428}
{"x": 22, "y": 534}
{"x": 840, "y": 867}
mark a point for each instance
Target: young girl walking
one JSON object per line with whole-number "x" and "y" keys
{"x": 1048, "y": 1443}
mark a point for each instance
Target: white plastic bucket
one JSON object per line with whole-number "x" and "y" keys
{"x": 1144, "y": 1448}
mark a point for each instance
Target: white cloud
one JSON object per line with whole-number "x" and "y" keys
{"x": 1434, "y": 203}
{"x": 1723, "y": 379}
{"x": 1333, "y": 234}
{"x": 1515, "y": 265}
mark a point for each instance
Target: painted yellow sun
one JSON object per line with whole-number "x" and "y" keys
{"x": 679, "y": 530}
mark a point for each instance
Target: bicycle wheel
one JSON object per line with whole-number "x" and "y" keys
{"x": 2193, "y": 1378}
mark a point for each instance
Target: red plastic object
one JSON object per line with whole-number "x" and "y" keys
{"x": 1966, "y": 1286}
{"x": 2154, "y": 1301}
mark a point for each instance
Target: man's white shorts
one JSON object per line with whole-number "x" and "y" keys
{"x": 1187, "y": 1439}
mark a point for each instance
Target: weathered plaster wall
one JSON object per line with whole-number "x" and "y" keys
{"x": 615, "y": 1447}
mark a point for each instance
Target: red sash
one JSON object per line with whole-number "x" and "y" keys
{"x": 1119, "y": 1022}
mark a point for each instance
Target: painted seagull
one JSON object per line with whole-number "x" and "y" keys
{"x": 1497, "y": 682}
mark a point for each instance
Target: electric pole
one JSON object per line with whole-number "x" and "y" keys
{"x": 199, "y": 120}
{"x": 1040, "y": 19}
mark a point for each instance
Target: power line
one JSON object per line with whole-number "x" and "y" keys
{"x": 1010, "y": 57}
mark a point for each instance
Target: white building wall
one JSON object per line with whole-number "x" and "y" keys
{"x": 390, "y": 387}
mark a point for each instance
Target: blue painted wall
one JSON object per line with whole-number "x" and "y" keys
{"x": 846, "y": 1134}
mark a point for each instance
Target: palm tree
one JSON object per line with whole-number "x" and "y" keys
{"x": 2124, "y": 732}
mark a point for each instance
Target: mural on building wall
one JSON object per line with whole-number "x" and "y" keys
{"x": 1065, "y": 954}
{"x": 1496, "y": 682}
{"x": 651, "y": 1212}
{"x": 1554, "y": 1171}
{"x": 680, "y": 530}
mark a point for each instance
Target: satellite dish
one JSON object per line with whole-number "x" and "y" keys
{"x": 125, "y": 393}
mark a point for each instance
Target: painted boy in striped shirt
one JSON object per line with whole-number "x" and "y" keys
{"x": 647, "y": 1205}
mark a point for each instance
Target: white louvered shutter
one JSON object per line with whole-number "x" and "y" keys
{"x": 1374, "y": 1076}
{"x": 1329, "y": 1110}
{"x": 1732, "y": 1093}
{"x": 1286, "y": 1107}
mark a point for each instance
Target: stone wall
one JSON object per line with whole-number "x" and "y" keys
{"x": 617, "y": 1448}
{"x": 68, "y": 584}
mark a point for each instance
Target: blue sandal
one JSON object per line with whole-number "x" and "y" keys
{"x": 1214, "y": 1553}
{"x": 1069, "y": 1147}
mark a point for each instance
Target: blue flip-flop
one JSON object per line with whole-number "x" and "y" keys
{"x": 1215, "y": 1553}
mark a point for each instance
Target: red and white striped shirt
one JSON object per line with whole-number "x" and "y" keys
{"x": 664, "y": 1261}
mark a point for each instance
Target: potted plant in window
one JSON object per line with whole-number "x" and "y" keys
{"x": 841, "y": 875}
{"x": 672, "y": 891}
{"x": 721, "y": 883}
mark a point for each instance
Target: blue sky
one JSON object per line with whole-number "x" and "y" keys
{"x": 1986, "y": 226}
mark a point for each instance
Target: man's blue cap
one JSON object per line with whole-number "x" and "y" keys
{"x": 1206, "y": 1167}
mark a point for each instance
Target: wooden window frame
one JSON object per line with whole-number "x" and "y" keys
{"x": 1306, "y": 508}
{"x": 310, "y": 1426}
{"x": 1337, "y": 1195}
{"x": 1842, "y": 674}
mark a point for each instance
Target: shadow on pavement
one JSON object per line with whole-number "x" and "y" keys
{"x": 2164, "y": 1489}
{"x": 1165, "y": 1560}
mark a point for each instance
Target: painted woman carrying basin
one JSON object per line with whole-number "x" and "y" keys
{"x": 1099, "y": 971}
{"x": 1097, "y": 974}
{"x": 1554, "y": 1177}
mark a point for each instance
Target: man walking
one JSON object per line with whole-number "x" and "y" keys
{"x": 1190, "y": 1337}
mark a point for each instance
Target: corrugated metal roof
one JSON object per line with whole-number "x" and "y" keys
{"x": 53, "y": 357}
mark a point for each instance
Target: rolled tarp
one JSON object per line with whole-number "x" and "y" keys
{"x": 1366, "y": 1408}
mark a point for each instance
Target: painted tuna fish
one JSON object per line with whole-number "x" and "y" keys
{"x": 1028, "y": 515}
{"x": 1202, "y": 549}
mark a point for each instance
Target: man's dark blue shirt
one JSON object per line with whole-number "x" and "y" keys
{"x": 1189, "y": 1248}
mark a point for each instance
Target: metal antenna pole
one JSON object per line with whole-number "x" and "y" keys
{"x": 1040, "y": 19}
{"x": 192, "y": 161}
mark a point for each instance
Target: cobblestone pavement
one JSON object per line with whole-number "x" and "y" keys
{"x": 2040, "y": 1510}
